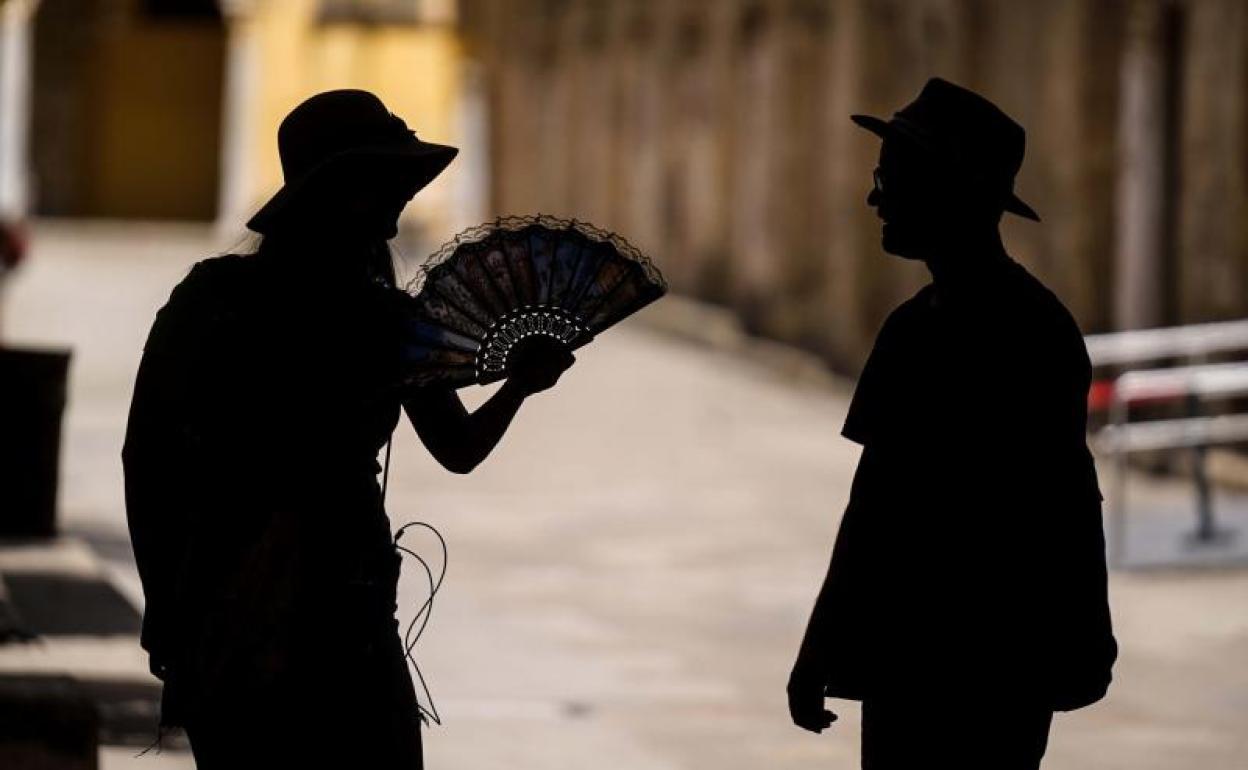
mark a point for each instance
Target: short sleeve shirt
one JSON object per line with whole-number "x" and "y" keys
{"x": 880, "y": 386}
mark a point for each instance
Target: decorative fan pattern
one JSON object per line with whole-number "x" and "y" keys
{"x": 497, "y": 283}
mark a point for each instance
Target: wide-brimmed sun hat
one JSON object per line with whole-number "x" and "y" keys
{"x": 962, "y": 127}
{"x": 336, "y": 128}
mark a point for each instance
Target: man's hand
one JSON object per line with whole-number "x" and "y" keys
{"x": 806, "y": 701}
{"x": 535, "y": 363}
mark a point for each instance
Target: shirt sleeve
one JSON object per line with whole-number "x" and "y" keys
{"x": 158, "y": 454}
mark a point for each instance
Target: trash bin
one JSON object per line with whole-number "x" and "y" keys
{"x": 32, "y": 401}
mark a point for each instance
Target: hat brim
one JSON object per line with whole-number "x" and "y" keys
{"x": 420, "y": 161}
{"x": 893, "y": 128}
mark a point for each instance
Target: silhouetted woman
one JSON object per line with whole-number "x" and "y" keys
{"x": 268, "y": 386}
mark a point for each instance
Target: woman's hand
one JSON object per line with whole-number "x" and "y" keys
{"x": 535, "y": 364}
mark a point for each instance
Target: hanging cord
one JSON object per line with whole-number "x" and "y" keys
{"x": 386, "y": 263}
{"x": 425, "y": 611}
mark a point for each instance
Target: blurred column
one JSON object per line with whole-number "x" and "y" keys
{"x": 589, "y": 123}
{"x": 470, "y": 189}
{"x": 16, "y": 20}
{"x": 800, "y": 183}
{"x": 849, "y": 155}
{"x": 862, "y": 284}
{"x": 1073, "y": 133}
{"x": 695, "y": 252}
{"x": 238, "y": 114}
{"x": 643, "y": 101}
{"x": 757, "y": 136}
{"x": 1144, "y": 178}
{"x": 1211, "y": 238}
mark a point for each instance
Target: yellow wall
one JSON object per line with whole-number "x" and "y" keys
{"x": 155, "y": 137}
{"x": 148, "y": 102}
{"x": 126, "y": 112}
{"x": 414, "y": 69}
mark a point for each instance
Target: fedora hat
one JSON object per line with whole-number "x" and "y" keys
{"x": 334, "y": 128}
{"x": 959, "y": 125}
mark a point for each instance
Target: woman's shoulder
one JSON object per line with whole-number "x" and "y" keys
{"x": 219, "y": 281}
{"x": 208, "y": 296}
{"x": 220, "y": 272}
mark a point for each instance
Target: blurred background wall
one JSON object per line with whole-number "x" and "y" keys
{"x": 716, "y": 135}
{"x": 712, "y": 133}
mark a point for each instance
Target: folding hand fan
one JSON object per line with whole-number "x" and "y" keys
{"x": 516, "y": 277}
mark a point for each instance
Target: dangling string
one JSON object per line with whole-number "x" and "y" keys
{"x": 385, "y": 471}
{"x": 425, "y": 611}
{"x": 422, "y": 616}
{"x": 413, "y": 633}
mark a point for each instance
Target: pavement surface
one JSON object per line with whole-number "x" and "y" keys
{"x": 630, "y": 571}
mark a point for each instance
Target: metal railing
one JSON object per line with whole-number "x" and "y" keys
{"x": 1188, "y": 382}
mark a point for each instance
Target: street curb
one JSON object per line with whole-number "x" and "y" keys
{"x": 78, "y": 639}
{"x": 60, "y": 586}
{"x": 12, "y": 628}
{"x": 25, "y": 555}
{"x": 64, "y": 554}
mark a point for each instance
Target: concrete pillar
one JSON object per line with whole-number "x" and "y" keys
{"x": 16, "y": 19}
{"x": 1213, "y": 239}
{"x": 872, "y": 77}
{"x": 241, "y": 100}
{"x": 506, "y": 43}
{"x": 697, "y": 148}
{"x": 471, "y": 182}
{"x": 643, "y": 100}
{"x": 1144, "y": 185}
{"x": 850, "y": 156}
{"x": 756, "y": 141}
{"x": 803, "y": 188}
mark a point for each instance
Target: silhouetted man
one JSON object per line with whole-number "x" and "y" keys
{"x": 966, "y": 597}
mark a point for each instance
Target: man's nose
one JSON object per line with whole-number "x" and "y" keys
{"x": 873, "y": 198}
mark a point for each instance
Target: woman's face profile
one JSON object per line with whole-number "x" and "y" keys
{"x": 372, "y": 198}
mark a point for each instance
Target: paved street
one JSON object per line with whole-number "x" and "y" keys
{"x": 630, "y": 571}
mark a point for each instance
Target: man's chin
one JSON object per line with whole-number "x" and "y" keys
{"x": 897, "y": 248}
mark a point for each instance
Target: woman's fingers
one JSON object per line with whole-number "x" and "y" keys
{"x": 538, "y": 363}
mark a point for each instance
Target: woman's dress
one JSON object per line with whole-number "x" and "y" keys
{"x": 262, "y": 401}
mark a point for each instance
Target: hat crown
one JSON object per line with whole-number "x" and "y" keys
{"x": 333, "y": 122}
{"x": 958, "y": 125}
{"x": 959, "y": 120}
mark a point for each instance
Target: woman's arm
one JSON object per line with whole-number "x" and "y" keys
{"x": 159, "y": 452}
{"x": 152, "y": 459}
{"x": 457, "y": 439}
{"x": 460, "y": 440}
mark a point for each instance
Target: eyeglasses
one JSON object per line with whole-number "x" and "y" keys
{"x": 878, "y": 179}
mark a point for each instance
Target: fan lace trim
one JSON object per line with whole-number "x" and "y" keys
{"x": 515, "y": 223}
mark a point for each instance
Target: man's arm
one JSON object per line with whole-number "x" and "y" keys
{"x": 1058, "y": 483}
{"x": 827, "y": 664}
